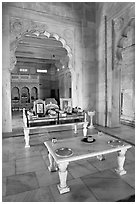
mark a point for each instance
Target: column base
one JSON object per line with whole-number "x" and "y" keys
{"x": 27, "y": 146}
{"x": 120, "y": 172}
{"x": 52, "y": 169}
{"x": 63, "y": 190}
{"x": 91, "y": 127}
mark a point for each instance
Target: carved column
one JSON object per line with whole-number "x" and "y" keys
{"x": 63, "y": 188}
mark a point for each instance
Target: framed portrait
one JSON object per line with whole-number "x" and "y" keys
{"x": 40, "y": 108}
{"x": 65, "y": 103}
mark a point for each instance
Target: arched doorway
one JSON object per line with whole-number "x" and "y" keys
{"x": 59, "y": 65}
{"x": 34, "y": 94}
{"x": 15, "y": 95}
{"x": 25, "y": 95}
{"x": 15, "y": 98}
{"x": 47, "y": 58}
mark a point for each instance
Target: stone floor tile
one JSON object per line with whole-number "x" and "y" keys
{"x": 97, "y": 175}
{"x": 30, "y": 164}
{"x": 129, "y": 177}
{"x": 46, "y": 178}
{"x": 27, "y": 152}
{"x": 34, "y": 140}
{"x": 4, "y": 186}
{"x": 108, "y": 163}
{"x": 5, "y": 156}
{"x": 18, "y": 142}
{"x": 77, "y": 170}
{"x": 40, "y": 147}
{"x": 37, "y": 195}
{"x": 46, "y": 160}
{"x": 44, "y": 151}
{"x": 8, "y": 168}
{"x": 8, "y": 145}
{"x": 130, "y": 154}
{"x": 107, "y": 188}
{"x": 20, "y": 183}
{"x": 10, "y": 156}
{"x": 43, "y": 194}
{"x": 78, "y": 192}
{"x": 86, "y": 164}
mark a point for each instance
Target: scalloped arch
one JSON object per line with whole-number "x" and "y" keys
{"x": 14, "y": 45}
{"x": 64, "y": 43}
{"x": 15, "y": 87}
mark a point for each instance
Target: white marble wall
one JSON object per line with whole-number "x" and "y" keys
{"x": 84, "y": 34}
{"x": 6, "y": 83}
{"x": 65, "y": 21}
{"x": 120, "y": 14}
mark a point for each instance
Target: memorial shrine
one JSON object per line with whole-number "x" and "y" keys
{"x": 68, "y": 101}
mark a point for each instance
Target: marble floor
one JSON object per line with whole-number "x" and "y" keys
{"x": 25, "y": 175}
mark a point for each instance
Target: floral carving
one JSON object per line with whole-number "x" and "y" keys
{"x": 37, "y": 26}
{"x": 119, "y": 23}
{"x": 19, "y": 26}
{"x": 68, "y": 33}
{"x": 16, "y": 26}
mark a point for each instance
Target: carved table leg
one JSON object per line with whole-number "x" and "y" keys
{"x": 63, "y": 188}
{"x": 26, "y": 133}
{"x": 91, "y": 114}
{"x": 121, "y": 159}
{"x": 53, "y": 166}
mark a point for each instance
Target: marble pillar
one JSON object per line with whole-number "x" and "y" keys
{"x": 91, "y": 114}
{"x": 6, "y": 76}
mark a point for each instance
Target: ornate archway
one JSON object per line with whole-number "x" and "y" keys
{"x": 19, "y": 28}
{"x": 15, "y": 94}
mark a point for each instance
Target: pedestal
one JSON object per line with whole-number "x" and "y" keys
{"x": 26, "y": 137}
{"x": 85, "y": 129}
{"x": 91, "y": 114}
{"x": 75, "y": 129}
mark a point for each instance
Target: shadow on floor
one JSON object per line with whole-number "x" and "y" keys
{"x": 129, "y": 199}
